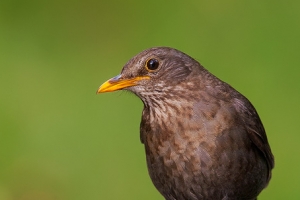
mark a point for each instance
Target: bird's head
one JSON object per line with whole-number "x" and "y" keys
{"x": 152, "y": 72}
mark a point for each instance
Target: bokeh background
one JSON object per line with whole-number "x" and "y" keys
{"x": 61, "y": 141}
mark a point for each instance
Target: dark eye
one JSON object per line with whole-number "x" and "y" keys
{"x": 152, "y": 64}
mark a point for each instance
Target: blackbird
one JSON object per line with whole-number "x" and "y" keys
{"x": 203, "y": 139}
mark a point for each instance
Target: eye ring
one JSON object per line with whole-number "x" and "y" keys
{"x": 152, "y": 64}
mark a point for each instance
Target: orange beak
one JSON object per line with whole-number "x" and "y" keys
{"x": 117, "y": 83}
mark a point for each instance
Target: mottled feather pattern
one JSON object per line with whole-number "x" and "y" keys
{"x": 203, "y": 139}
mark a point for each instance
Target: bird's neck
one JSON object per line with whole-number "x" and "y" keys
{"x": 161, "y": 113}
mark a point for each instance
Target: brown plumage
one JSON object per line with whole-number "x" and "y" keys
{"x": 203, "y": 139}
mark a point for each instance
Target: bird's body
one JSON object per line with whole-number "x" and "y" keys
{"x": 203, "y": 139}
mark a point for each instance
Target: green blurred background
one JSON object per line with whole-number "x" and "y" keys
{"x": 61, "y": 141}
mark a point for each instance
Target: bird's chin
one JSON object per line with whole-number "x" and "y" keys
{"x": 137, "y": 90}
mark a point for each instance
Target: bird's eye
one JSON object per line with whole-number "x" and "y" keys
{"x": 152, "y": 64}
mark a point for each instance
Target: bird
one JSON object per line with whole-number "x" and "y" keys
{"x": 203, "y": 139}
